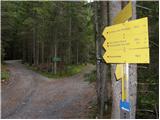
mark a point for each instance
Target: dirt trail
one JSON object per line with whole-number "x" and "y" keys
{"x": 31, "y": 95}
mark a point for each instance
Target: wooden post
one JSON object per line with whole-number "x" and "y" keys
{"x": 114, "y": 8}
{"x": 103, "y": 71}
{"x": 133, "y": 76}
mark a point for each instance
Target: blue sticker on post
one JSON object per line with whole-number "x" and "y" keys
{"x": 125, "y": 105}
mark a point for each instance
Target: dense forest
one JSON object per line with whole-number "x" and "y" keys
{"x": 47, "y": 33}
{"x": 148, "y": 75}
{"x": 60, "y": 38}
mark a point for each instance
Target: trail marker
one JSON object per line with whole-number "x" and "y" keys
{"x": 122, "y": 17}
{"x": 119, "y": 71}
{"x": 124, "y": 14}
{"x": 126, "y": 43}
{"x": 56, "y": 59}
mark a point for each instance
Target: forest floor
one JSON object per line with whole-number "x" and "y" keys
{"x": 31, "y": 95}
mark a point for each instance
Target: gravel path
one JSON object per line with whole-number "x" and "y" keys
{"x": 31, "y": 95}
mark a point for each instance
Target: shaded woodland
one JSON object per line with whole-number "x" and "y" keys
{"x": 47, "y": 34}
{"x": 55, "y": 36}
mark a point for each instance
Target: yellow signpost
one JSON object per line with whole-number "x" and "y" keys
{"x": 127, "y": 42}
{"x": 124, "y": 14}
{"x": 122, "y": 17}
{"x": 127, "y": 56}
{"x": 119, "y": 71}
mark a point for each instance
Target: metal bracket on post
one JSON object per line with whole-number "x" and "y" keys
{"x": 100, "y": 60}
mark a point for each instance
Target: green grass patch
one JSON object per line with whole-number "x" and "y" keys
{"x": 69, "y": 71}
{"x": 90, "y": 77}
{"x": 4, "y": 75}
{"x": 73, "y": 69}
{"x": 4, "y": 72}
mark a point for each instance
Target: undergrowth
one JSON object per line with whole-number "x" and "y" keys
{"x": 69, "y": 71}
{"x": 4, "y": 72}
{"x": 90, "y": 77}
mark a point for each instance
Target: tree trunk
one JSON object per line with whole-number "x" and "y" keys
{"x": 103, "y": 76}
{"x": 116, "y": 85}
{"x": 133, "y": 77}
{"x": 105, "y": 68}
{"x": 114, "y": 8}
{"x": 70, "y": 34}
{"x": 42, "y": 52}
{"x": 55, "y": 56}
{"x": 55, "y": 51}
{"x": 30, "y": 51}
{"x": 77, "y": 57}
{"x": 98, "y": 74}
{"x": 105, "y": 22}
{"x": 34, "y": 45}
{"x": 37, "y": 52}
{"x": 24, "y": 50}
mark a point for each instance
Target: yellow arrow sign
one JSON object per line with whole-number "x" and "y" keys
{"x": 119, "y": 71}
{"x": 114, "y": 56}
{"x": 124, "y": 14}
{"x": 127, "y": 56}
{"x": 137, "y": 56}
{"x": 132, "y": 34}
{"x": 127, "y": 39}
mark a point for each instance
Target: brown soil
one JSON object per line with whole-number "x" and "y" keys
{"x": 31, "y": 95}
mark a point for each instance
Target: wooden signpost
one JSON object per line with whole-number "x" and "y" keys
{"x": 126, "y": 42}
{"x": 56, "y": 59}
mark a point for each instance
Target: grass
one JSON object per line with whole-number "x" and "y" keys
{"x": 90, "y": 77}
{"x": 69, "y": 71}
{"x": 4, "y": 72}
{"x": 74, "y": 69}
